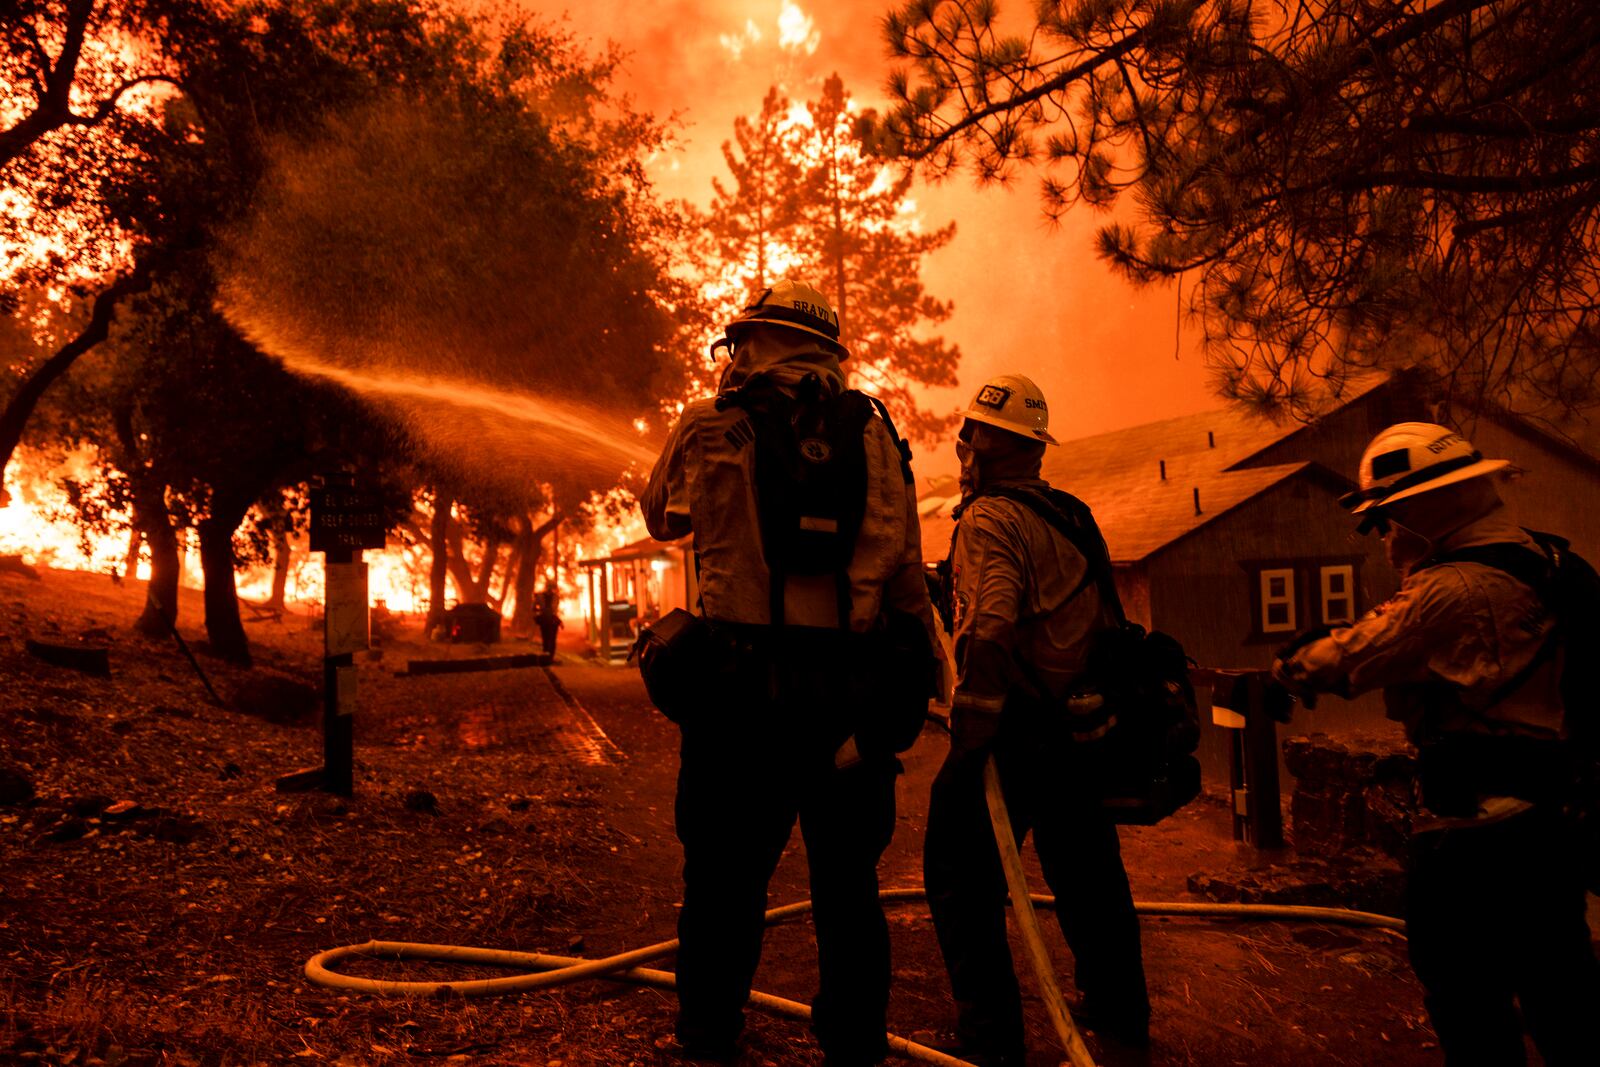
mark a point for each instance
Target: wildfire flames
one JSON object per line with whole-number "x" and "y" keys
{"x": 37, "y": 527}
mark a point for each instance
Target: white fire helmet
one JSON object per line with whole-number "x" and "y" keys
{"x": 795, "y": 305}
{"x": 1411, "y": 458}
{"x": 1012, "y": 402}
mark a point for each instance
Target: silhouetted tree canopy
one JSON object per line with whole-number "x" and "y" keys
{"x": 1343, "y": 186}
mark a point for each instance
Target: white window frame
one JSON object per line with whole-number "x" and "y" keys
{"x": 1268, "y": 601}
{"x": 1348, "y": 572}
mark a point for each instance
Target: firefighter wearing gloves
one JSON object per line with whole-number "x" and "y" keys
{"x": 1469, "y": 657}
{"x": 798, "y": 494}
{"x": 1024, "y": 605}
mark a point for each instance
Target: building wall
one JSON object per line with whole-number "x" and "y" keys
{"x": 1133, "y": 589}
{"x": 1555, "y": 492}
{"x": 1203, "y": 590}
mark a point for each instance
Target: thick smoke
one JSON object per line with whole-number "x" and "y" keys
{"x": 470, "y": 275}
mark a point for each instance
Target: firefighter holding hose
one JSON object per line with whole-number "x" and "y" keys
{"x": 1479, "y": 656}
{"x": 807, "y": 667}
{"x": 1026, "y": 598}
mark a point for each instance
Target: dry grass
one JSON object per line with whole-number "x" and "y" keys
{"x": 178, "y": 937}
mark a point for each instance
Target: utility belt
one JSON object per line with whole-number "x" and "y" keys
{"x": 1455, "y": 770}
{"x": 877, "y": 684}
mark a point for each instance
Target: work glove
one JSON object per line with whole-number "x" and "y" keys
{"x": 1304, "y": 638}
{"x": 972, "y": 733}
{"x": 1291, "y": 686}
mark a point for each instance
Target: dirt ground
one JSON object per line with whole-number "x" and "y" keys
{"x": 160, "y": 897}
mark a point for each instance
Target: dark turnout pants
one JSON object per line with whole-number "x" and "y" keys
{"x": 1050, "y": 790}
{"x": 1495, "y": 919}
{"x": 741, "y": 789}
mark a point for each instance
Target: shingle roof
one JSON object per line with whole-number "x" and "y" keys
{"x": 1118, "y": 474}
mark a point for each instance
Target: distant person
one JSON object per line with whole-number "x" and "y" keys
{"x": 548, "y": 619}
{"x": 1025, "y": 602}
{"x": 810, "y": 666}
{"x": 1469, "y": 655}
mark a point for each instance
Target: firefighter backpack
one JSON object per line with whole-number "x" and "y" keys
{"x": 810, "y": 473}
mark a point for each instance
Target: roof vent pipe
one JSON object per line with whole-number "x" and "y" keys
{"x": 1211, "y": 439}
{"x": 1197, "y": 500}
{"x": 1163, "y": 470}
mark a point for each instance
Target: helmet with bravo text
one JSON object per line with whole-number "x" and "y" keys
{"x": 793, "y": 305}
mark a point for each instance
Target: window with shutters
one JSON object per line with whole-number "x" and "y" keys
{"x": 1277, "y": 601}
{"x": 1338, "y": 594}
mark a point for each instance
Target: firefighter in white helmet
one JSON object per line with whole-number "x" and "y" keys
{"x": 1024, "y": 602}
{"x": 814, "y": 667}
{"x": 1469, "y": 657}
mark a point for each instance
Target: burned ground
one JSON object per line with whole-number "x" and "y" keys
{"x": 160, "y": 897}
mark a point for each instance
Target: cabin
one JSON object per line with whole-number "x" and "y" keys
{"x": 633, "y": 586}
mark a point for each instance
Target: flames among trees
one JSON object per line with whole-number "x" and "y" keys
{"x": 194, "y": 425}
{"x": 1350, "y": 184}
{"x": 804, "y": 199}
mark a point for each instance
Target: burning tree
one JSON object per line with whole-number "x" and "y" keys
{"x": 751, "y": 220}
{"x": 75, "y": 107}
{"x": 806, "y": 199}
{"x": 1351, "y": 184}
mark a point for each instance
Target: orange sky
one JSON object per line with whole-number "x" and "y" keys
{"x": 1026, "y": 298}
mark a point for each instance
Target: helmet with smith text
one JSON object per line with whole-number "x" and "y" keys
{"x": 1012, "y": 402}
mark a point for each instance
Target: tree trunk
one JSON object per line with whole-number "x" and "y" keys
{"x": 522, "y": 620}
{"x": 491, "y": 561}
{"x": 459, "y": 569}
{"x": 527, "y": 572}
{"x": 224, "y": 628}
{"x": 161, "y": 594}
{"x": 837, "y": 195}
{"x": 152, "y": 520}
{"x": 513, "y": 568}
{"x": 130, "y": 562}
{"x": 280, "y": 562}
{"x": 439, "y": 545}
{"x": 14, "y": 419}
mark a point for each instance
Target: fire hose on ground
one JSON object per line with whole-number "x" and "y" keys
{"x": 544, "y": 971}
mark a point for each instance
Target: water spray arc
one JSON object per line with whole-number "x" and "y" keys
{"x": 567, "y": 418}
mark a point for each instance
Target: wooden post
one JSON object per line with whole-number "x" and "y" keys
{"x": 1240, "y": 706}
{"x": 1265, "y": 828}
{"x": 345, "y": 632}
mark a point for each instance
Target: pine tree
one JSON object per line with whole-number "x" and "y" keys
{"x": 1343, "y": 186}
{"x": 751, "y": 220}
{"x": 806, "y": 202}
{"x": 862, "y": 245}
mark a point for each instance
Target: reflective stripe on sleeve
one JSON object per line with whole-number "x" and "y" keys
{"x": 975, "y": 702}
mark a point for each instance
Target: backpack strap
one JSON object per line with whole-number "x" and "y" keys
{"x": 1072, "y": 519}
{"x": 900, "y": 444}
